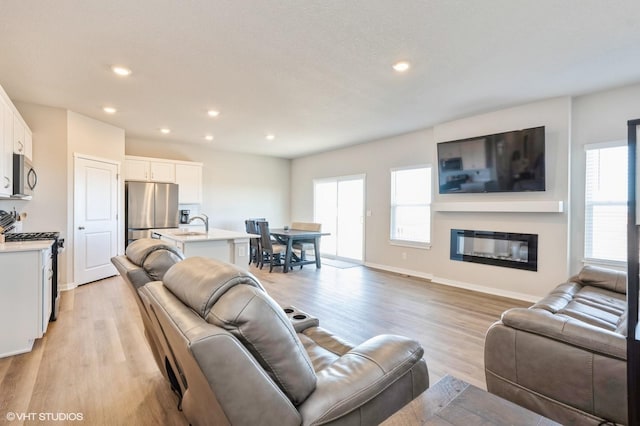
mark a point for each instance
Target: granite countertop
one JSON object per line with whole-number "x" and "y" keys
{"x": 14, "y": 246}
{"x": 189, "y": 235}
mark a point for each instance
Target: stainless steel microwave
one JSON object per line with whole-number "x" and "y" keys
{"x": 25, "y": 177}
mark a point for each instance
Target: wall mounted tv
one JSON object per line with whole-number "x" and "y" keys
{"x": 504, "y": 162}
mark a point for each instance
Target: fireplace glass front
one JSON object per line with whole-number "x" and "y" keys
{"x": 511, "y": 250}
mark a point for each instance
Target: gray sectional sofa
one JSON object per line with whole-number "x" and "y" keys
{"x": 565, "y": 356}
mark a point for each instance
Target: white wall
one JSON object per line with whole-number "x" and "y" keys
{"x": 95, "y": 139}
{"x": 235, "y": 186}
{"x": 552, "y": 228}
{"x": 597, "y": 117}
{"x": 375, "y": 159}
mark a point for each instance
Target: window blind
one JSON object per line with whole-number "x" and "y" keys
{"x": 606, "y": 203}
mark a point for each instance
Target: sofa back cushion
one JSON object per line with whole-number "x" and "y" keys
{"x": 264, "y": 329}
{"x": 605, "y": 278}
{"x": 199, "y": 282}
{"x": 233, "y": 299}
{"x": 154, "y": 256}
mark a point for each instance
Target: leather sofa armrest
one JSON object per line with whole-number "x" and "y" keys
{"x": 566, "y": 329}
{"x": 359, "y": 376}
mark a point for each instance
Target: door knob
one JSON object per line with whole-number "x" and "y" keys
{"x": 81, "y": 227}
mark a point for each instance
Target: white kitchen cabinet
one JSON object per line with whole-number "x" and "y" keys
{"x": 25, "y": 296}
{"x": 189, "y": 180}
{"x": 187, "y": 174}
{"x": 22, "y": 138}
{"x": 162, "y": 171}
{"x": 28, "y": 143}
{"x": 138, "y": 168}
{"x": 6, "y": 149}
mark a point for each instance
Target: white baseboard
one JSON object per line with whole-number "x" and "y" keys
{"x": 401, "y": 271}
{"x": 67, "y": 286}
{"x": 458, "y": 284}
{"x": 488, "y": 290}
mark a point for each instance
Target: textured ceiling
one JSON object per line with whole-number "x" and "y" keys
{"x": 316, "y": 73}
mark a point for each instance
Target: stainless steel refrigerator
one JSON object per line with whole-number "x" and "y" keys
{"x": 149, "y": 206}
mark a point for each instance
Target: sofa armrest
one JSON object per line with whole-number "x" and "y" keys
{"x": 360, "y": 375}
{"x": 569, "y": 330}
{"x": 557, "y": 366}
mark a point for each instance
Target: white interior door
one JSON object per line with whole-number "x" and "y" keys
{"x": 95, "y": 219}
{"x": 339, "y": 206}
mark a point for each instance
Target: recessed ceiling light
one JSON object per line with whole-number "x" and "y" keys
{"x": 165, "y": 130}
{"x": 213, "y": 113}
{"x": 209, "y": 137}
{"x": 121, "y": 71}
{"x": 270, "y": 137}
{"x": 401, "y": 66}
{"x": 109, "y": 110}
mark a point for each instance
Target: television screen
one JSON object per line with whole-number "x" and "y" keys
{"x": 503, "y": 162}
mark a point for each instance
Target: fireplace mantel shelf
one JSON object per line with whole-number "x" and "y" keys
{"x": 501, "y": 206}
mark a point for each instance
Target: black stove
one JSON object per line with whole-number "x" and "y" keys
{"x": 56, "y": 247}
{"x": 31, "y": 236}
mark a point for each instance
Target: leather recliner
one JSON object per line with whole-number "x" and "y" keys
{"x": 147, "y": 260}
{"x": 242, "y": 361}
{"x": 565, "y": 356}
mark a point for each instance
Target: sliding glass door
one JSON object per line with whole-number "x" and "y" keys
{"x": 339, "y": 206}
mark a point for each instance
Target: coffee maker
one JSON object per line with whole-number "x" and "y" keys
{"x": 184, "y": 216}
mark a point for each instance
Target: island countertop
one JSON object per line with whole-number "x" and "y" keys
{"x": 185, "y": 235}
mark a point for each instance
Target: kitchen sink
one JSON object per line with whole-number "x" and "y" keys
{"x": 189, "y": 233}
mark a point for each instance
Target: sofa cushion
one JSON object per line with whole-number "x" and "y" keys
{"x": 199, "y": 282}
{"x": 264, "y": 329}
{"x": 609, "y": 279}
{"x": 138, "y": 250}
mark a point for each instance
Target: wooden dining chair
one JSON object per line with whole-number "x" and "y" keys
{"x": 303, "y": 246}
{"x": 254, "y": 243}
{"x": 270, "y": 251}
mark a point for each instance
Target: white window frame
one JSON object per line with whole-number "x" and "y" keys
{"x": 393, "y": 205}
{"x": 587, "y": 208}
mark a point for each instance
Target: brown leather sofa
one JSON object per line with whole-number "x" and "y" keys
{"x": 565, "y": 356}
{"x": 241, "y": 359}
{"x": 147, "y": 260}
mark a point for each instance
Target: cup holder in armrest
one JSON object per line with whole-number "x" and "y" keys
{"x": 300, "y": 320}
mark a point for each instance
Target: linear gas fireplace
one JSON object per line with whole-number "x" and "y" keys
{"x": 505, "y": 249}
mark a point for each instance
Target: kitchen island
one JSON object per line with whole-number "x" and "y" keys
{"x": 221, "y": 244}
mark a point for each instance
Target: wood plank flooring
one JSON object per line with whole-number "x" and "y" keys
{"x": 94, "y": 359}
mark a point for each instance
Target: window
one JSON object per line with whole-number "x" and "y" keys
{"x": 606, "y": 203}
{"x": 411, "y": 205}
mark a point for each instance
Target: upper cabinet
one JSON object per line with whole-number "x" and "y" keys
{"x": 6, "y": 150}
{"x": 189, "y": 180}
{"x": 15, "y": 137}
{"x": 148, "y": 169}
{"x": 22, "y": 141}
{"x": 188, "y": 175}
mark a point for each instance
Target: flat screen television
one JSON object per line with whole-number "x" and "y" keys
{"x": 503, "y": 162}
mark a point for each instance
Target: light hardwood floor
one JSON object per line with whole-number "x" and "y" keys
{"x": 94, "y": 359}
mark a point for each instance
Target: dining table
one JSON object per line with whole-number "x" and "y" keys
{"x": 289, "y": 237}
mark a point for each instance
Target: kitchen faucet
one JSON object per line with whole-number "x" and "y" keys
{"x": 204, "y": 218}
